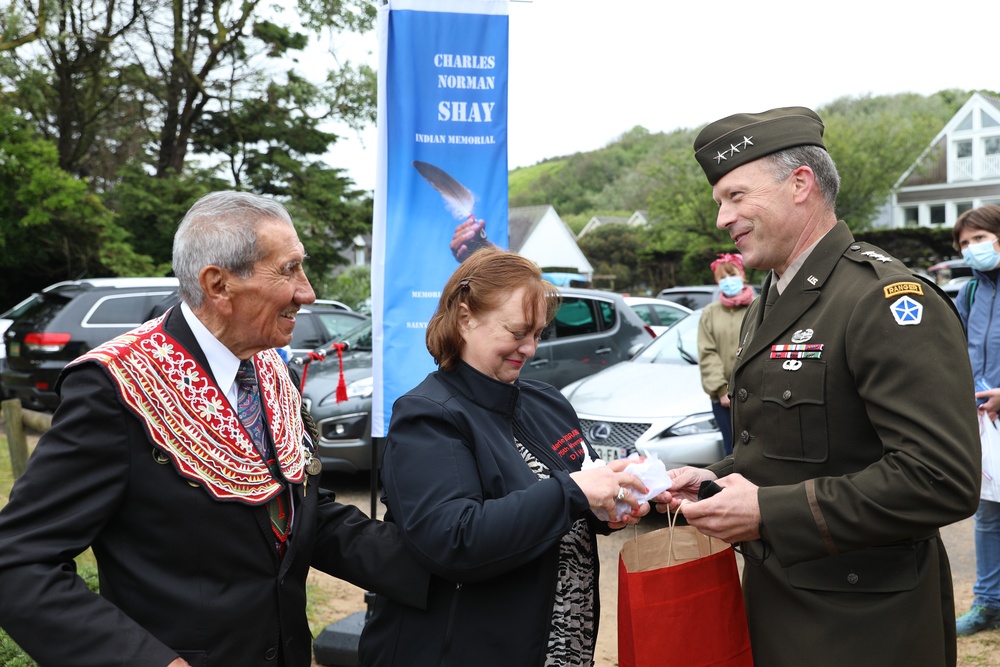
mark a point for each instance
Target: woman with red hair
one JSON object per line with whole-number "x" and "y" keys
{"x": 719, "y": 336}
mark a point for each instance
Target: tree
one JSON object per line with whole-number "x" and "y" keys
{"x": 73, "y": 84}
{"x": 145, "y": 101}
{"x": 613, "y": 250}
{"x": 873, "y": 140}
{"x": 51, "y": 226}
{"x": 353, "y": 287}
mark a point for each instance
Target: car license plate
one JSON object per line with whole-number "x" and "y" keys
{"x": 610, "y": 454}
{"x": 14, "y": 349}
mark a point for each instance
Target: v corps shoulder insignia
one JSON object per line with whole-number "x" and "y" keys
{"x": 906, "y": 311}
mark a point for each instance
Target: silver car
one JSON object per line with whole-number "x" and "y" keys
{"x": 652, "y": 403}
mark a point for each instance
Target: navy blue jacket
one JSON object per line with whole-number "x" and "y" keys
{"x": 476, "y": 516}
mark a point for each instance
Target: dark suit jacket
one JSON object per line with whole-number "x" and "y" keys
{"x": 861, "y": 454}
{"x": 180, "y": 573}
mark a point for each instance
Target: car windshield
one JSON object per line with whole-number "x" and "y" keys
{"x": 676, "y": 345}
{"x": 358, "y": 338}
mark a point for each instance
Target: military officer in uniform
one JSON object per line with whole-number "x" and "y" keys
{"x": 855, "y": 431}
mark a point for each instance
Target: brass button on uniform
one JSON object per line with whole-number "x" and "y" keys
{"x": 742, "y": 394}
{"x": 787, "y": 394}
{"x": 745, "y": 437}
{"x": 271, "y": 653}
{"x": 852, "y": 578}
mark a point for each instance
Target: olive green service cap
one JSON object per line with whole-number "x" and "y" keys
{"x": 744, "y": 137}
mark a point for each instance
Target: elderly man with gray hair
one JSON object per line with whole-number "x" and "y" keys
{"x": 180, "y": 455}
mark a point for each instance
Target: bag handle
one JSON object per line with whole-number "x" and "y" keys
{"x": 671, "y": 523}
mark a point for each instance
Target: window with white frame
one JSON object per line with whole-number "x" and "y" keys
{"x": 938, "y": 214}
{"x": 991, "y": 156}
{"x": 911, "y": 216}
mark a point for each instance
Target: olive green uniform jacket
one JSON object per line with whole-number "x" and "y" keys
{"x": 861, "y": 453}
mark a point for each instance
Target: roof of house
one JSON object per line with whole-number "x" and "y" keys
{"x": 521, "y": 222}
{"x": 932, "y": 165}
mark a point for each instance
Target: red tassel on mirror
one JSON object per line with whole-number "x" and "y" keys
{"x": 341, "y": 384}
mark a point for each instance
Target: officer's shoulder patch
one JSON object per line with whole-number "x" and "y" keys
{"x": 906, "y": 311}
{"x": 904, "y": 287}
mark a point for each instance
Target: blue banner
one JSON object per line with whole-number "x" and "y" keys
{"x": 441, "y": 188}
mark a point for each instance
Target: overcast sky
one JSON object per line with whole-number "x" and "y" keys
{"x": 584, "y": 72}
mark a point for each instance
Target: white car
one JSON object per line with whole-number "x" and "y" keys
{"x": 652, "y": 403}
{"x": 658, "y": 314}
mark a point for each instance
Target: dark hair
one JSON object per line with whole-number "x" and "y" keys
{"x": 986, "y": 218}
{"x": 483, "y": 282}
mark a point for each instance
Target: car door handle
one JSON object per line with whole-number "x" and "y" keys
{"x": 603, "y": 350}
{"x": 535, "y": 363}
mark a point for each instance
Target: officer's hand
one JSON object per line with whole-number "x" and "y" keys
{"x": 685, "y": 483}
{"x": 732, "y": 515}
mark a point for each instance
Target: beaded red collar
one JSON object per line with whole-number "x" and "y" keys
{"x": 189, "y": 419}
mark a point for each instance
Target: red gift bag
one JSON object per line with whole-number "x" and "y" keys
{"x": 680, "y": 602}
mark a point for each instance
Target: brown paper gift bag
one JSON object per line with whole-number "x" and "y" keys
{"x": 680, "y": 602}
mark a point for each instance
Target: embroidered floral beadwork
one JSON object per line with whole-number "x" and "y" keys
{"x": 189, "y": 418}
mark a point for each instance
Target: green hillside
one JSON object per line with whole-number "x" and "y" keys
{"x": 873, "y": 140}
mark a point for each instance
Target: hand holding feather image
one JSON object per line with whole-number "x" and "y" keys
{"x": 470, "y": 234}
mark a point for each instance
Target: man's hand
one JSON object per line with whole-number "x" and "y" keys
{"x": 685, "y": 483}
{"x": 732, "y": 515}
{"x": 179, "y": 662}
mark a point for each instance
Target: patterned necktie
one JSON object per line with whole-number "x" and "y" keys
{"x": 249, "y": 408}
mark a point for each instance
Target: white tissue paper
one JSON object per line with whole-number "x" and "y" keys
{"x": 650, "y": 470}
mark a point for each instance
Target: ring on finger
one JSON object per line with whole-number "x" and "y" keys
{"x": 621, "y": 493}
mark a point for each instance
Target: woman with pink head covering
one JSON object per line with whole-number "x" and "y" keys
{"x": 719, "y": 336}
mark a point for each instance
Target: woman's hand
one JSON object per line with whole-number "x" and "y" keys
{"x": 992, "y": 404}
{"x": 604, "y": 485}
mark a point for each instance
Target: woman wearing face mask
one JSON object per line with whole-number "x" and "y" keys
{"x": 976, "y": 234}
{"x": 719, "y": 336}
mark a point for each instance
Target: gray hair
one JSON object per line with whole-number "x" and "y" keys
{"x": 783, "y": 163}
{"x": 220, "y": 229}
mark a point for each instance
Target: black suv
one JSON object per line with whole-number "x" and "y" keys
{"x": 70, "y": 318}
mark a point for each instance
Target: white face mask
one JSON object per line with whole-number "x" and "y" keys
{"x": 731, "y": 285}
{"x": 982, "y": 256}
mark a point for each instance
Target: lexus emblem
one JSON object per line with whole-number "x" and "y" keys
{"x": 599, "y": 431}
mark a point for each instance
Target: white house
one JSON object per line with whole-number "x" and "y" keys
{"x": 538, "y": 233}
{"x": 959, "y": 170}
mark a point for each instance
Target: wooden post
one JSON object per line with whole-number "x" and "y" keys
{"x": 16, "y": 440}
